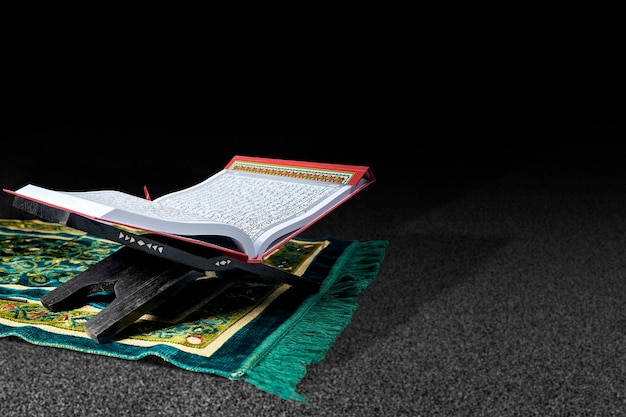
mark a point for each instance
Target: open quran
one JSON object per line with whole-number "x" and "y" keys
{"x": 248, "y": 209}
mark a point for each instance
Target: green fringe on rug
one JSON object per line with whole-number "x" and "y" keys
{"x": 293, "y": 347}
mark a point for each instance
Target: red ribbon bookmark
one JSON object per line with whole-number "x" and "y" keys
{"x": 147, "y": 194}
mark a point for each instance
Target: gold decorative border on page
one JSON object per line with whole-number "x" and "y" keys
{"x": 337, "y": 177}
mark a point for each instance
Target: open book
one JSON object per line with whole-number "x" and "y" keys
{"x": 248, "y": 209}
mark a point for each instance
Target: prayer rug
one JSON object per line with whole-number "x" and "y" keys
{"x": 249, "y": 328}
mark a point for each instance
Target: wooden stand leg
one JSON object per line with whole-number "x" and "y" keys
{"x": 141, "y": 283}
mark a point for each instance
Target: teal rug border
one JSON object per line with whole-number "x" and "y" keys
{"x": 279, "y": 364}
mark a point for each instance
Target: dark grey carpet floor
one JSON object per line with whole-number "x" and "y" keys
{"x": 500, "y": 295}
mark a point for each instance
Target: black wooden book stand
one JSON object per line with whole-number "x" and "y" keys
{"x": 149, "y": 271}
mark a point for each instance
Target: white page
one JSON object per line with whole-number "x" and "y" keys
{"x": 65, "y": 200}
{"x": 255, "y": 203}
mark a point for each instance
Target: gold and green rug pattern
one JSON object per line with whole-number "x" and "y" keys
{"x": 241, "y": 330}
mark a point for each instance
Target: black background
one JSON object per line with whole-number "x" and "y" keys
{"x": 411, "y": 158}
